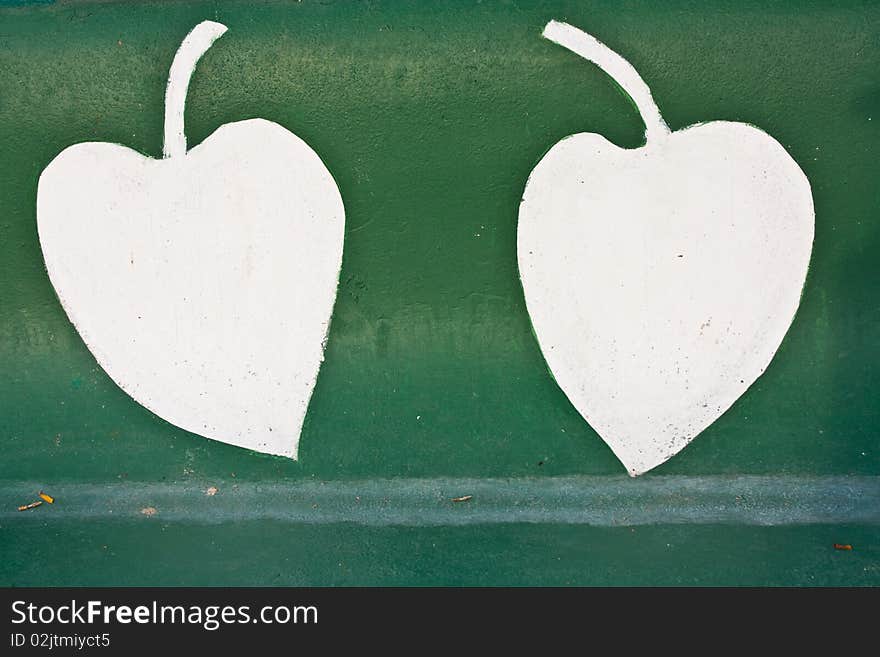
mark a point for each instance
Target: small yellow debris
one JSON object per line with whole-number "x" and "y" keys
{"x": 211, "y": 491}
{"x": 149, "y": 511}
{"x": 25, "y": 507}
{"x": 47, "y": 498}
{"x": 463, "y": 498}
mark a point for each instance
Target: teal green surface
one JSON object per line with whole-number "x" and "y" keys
{"x": 430, "y": 117}
{"x": 267, "y": 553}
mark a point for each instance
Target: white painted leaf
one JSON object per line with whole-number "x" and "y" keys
{"x": 203, "y": 283}
{"x": 661, "y": 280}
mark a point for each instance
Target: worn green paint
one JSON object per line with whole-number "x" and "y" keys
{"x": 271, "y": 553}
{"x": 430, "y": 117}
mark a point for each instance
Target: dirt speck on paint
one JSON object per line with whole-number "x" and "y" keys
{"x": 463, "y": 498}
{"x": 211, "y": 491}
{"x": 149, "y": 511}
{"x": 843, "y": 546}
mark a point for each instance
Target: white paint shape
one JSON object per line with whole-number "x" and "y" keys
{"x": 661, "y": 280}
{"x": 203, "y": 283}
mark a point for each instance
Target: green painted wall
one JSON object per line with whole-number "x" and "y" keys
{"x": 430, "y": 117}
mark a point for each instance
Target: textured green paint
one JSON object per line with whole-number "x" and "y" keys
{"x": 152, "y": 553}
{"x": 430, "y": 117}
